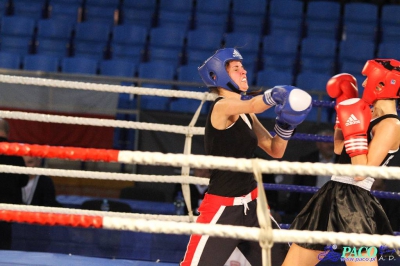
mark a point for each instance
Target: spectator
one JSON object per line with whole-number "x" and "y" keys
{"x": 324, "y": 153}
{"x": 40, "y": 190}
{"x": 11, "y": 184}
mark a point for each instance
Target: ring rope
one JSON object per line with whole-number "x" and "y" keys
{"x": 101, "y": 122}
{"x": 172, "y": 227}
{"x": 105, "y": 87}
{"x": 196, "y": 161}
{"x": 263, "y": 215}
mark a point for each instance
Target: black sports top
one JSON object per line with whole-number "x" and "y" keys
{"x": 389, "y": 159}
{"x": 238, "y": 141}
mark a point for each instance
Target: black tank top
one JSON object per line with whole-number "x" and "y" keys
{"x": 391, "y": 159}
{"x": 238, "y": 141}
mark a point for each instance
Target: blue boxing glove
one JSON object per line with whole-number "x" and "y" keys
{"x": 276, "y": 95}
{"x": 292, "y": 111}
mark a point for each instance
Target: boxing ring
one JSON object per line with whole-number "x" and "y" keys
{"x": 168, "y": 224}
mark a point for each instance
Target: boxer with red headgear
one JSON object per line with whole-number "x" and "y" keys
{"x": 383, "y": 78}
{"x": 365, "y": 136}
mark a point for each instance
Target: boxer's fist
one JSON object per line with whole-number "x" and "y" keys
{"x": 291, "y": 112}
{"x": 342, "y": 87}
{"x": 277, "y": 95}
{"x": 354, "y": 118}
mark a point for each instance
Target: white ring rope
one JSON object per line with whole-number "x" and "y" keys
{"x": 61, "y": 119}
{"x": 266, "y": 166}
{"x": 105, "y": 87}
{"x": 176, "y": 225}
{"x": 103, "y": 175}
{"x": 212, "y": 162}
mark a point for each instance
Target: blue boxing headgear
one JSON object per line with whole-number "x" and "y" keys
{"x": 213, "y": 71}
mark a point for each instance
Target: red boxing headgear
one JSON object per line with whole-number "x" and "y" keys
{"x": 383, "y": 80}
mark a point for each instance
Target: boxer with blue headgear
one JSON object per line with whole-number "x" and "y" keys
{"x": 233, "y": 130}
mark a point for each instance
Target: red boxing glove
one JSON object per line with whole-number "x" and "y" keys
{"x": 342, "y": 87}
{"x": 354, "y": 117}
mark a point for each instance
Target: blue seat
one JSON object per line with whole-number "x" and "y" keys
{"x": 157, "y": 70}
{"x": 176, "y": 5}
{"x": 103, "y": 14}
{"x": 203, "y": 40}
{"x": 245, "y": 42}
{"x": 280, "y": 45}
{"x": 280, "y": 52}
{"x": 154, "y": 103}
{"x": 14, "y": 44}
{"x": 79, "y": 65}
{"x": 190, "y": 73}
{"x": 10, "y": 60}
{"x": 323, "y": 11}
{"x": 198, "y": 56}
{"x": 389, "y": 50}
{"x": 219, "y": 7}
{"x": 38, "y": 62}
{"x": 139, "y": 12}
{"x": 280, "y": 63}
{"x": 92, "y": 31}
{"x": 91, "y": 39}
{"x": 52, "y": 47}
{"x": 389, "y": 18}
{"x": 176, "y": 19}
{"x": 360, "y": 12}
{"x": 103, "y": 3}
{"x": 352, "y": 67}
{"x": 4, "y": 7}
{"x": 171, "y": 55}
{"x": 287, "y": 9}
{"x": 242, "y": 7}
{"x": 249, "y": 18}
{"x": 95, "y": 50}
{"x": 70, "y": 11}
{"x": 17, "y": 26}
{"x": 285, "y": 27}
{"x": 54, "y": 29}
{"x": 320, "y": 65}
{"x": 320, "y": 50}
{"x": 361, "y": 20}
{"x": 390, "y": 33}
{"x": 166, "y": 37}
{"x": 117, "y": 68}
{"x": 134, "y": 53}
{"x": 139, "y": 4}
{"x": 245, "y": 23}
{"x": 328, "y": 29}
{"x": 188, "y": 106}
{"x": 356, "y": 51}
{"x": 312, "y": 81}
{"x": 269, "y": 78}
{"x": 128, "y": 41}
{"x": 360, "y": 31}
{"x": 129, "y": 34}
{"x": 211, "y": 22}
{"x": 31, "y": 9}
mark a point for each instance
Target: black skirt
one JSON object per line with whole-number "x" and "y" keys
{"x": 339, "y": 207}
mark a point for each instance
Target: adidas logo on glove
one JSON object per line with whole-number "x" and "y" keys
{"x": 352, "y": 120}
